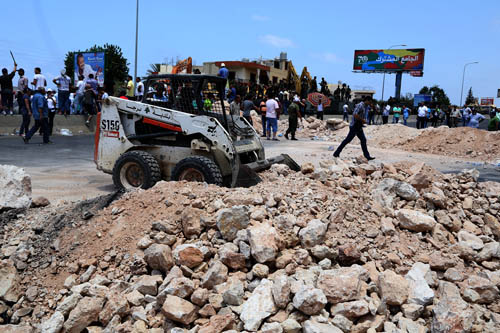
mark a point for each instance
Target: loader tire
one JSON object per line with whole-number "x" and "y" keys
{"x": 136, "y": 169}
{"x": 198, "y": 169}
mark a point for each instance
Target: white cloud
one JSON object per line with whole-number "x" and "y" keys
{"x": 260, "y": 18}
{"x": 327, "y": 57}
{"x": 276, "y": 41}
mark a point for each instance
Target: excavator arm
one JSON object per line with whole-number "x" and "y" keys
{"x": 186, "y": 64}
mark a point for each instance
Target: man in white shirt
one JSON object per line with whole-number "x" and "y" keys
{"x": 39, "y": 80}
{"x": 320, "y": 113}
{"x": 63, "y": 81}
{"x": 421, "y": 115}
{"x": 80, "y": 88}
{"x": 345, "y": 113}
{"x": 139, "y": 89}
{"x": 272, "y": 113}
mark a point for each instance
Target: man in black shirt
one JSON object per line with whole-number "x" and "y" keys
{"x": 7, "y": 90}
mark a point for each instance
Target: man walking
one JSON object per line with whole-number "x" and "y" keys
{"x": 248, "y": 106}
{"x": 63, "y": 82}
{"x": 89, "y": 103}
{"x": 25, "y": 110}
{"x": 7, "y": 91}
{"x": 293, "y": 116}
{"x": 356, "y": 129}
{"x": 40, "y": 114}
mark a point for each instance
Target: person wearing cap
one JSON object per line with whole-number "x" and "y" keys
{"x": 40, "y": 111}
{"x": 293, "y": 116}
{"x": 62, "y": 82}
{"x": 223, "y": 72}
{"x": 51, "y": 104}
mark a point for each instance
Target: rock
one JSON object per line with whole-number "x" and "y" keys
{"x": 387, "y": 227}
{"x": 260, "y": 270}
{"x": 406, "y": 191}
{"x": 412, "y": 311}
{"x": 234, "y": 293}
{"x": 179, "y": 310}
{"x": 493, "y": 223}
{"x": 159, "y": 257}
{"x": 307, "y": 168}
{"x": 68, "y": 303}
{"x": 115, "y": 305}
{"x": 86, "y": 311}
{"x": 190, "y": 220}
{"x": 263, "y": 242}
{"x": 453, "y": 275}
{"x": 281, "y": 291}
{"x": 85, "y": 277}
{"x": 450, "y": 313}
{"x": 311, "y": 326}
{"x": 148, "y": 284}
{"x": 16, "y": 329}
{"x": 348, "y": 254}
{"x": 188, "y": 255}
{"x": 342, "y": 322}
{"x": 343, "y": 284}
{"x": 486, "y": 291}
{"x": 232, "y": 259}
{"x": 40, "y": 202}
{"x": 135, "y": 298}
{"x": 181, "y": 287}
{"x": 393, "y": 288}
{"x": 54, "y": 324}
{"x": 309, "y": 300}
{"x": 450, "y": 221}
{"x": 200, "y": 296}
{"x": 351, "y": 310}
{"x": 219, "y": 323}
{"x": 313, "y": 234}
{"x": 259, "y": 306}
{"x": 15, "y": 185}
{"x": 215, "y": 275}
{"x": 271, "y": 328}
{"x": 231, "y": 220}
{"x": 10, "y": 288}
{"x": 291, "y": 326}
{"x": 408, "y": 325}
{"x": 419, "y": 291}
{"x": 414, "y": 220}
{"x": 470, "y": 240}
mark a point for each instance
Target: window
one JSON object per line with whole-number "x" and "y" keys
{"x": 276, "y": 64}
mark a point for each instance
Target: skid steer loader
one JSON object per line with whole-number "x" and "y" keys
{"x": 180, "y": 130}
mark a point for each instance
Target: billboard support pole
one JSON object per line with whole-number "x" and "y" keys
{"x": 399, "y": 78}
{"x": 383, "y": 85}
{"x": 463, "y": 78}
{"x": 136, "y": 38}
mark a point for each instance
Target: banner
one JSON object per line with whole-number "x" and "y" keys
{"x": 421, "y": 98}
{"x": 398, "y": 60}
{"x": 90, "y": 63}
{"x": 487, "y": 101}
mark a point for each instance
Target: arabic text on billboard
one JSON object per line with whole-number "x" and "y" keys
{"x": 90, "y": 63}
{"x": 389, "y": 60}
{"x": 487, "y": 101}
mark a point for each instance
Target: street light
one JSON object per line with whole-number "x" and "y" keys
{"x": 136, "y": 38}
{"x": 383, "y": 81}
{"x": 463, "y": 77}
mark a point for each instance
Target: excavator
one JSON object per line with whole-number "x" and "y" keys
{"x": 186, "y": 64}
{"x": 293, "y": 77}
{"x": 180, "y": 130}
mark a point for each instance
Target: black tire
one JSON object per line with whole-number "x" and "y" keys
{"x": 197, "y": 168}
{"x": 136, "y": 169}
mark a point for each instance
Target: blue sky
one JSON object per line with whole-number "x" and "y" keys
{"x": 321, "y": 35}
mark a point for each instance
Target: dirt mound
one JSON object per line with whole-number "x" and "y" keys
{"x": 349, "y": 245}
{"x": 461, "y": 141}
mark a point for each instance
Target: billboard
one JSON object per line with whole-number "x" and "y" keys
{"x": 404, "y": 60}
{"x": 487, "y": 101}
{"x": 90, "y": 63}
{"x": 421, "y": 98}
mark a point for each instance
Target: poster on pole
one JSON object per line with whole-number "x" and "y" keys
{"x": 421, "y": 98}
{"x": 87, "y": 63}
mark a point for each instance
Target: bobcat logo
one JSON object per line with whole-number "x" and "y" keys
{"x": 211, "y": 130}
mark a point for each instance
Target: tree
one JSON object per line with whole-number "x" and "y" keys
{"x": 154, "y": 69}
{"x": 470, "y": 98}
{"x": 438, "y": 95}
{"x": 115, "y": 68}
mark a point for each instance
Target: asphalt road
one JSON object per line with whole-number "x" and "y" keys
{"x": 66, "y": 170}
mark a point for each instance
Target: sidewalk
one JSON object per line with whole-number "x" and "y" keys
{"x": 9, "y": 125}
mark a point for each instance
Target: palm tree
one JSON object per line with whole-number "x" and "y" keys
{"x": 153, "y": 69}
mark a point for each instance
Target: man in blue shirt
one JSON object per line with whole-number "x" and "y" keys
{"x": 223, "y": 72}
{"x": 406, "y": 115}
{"x": 474, "y": 119}
{"x": 356, "y": 129}
{"x": 40, "y": 111}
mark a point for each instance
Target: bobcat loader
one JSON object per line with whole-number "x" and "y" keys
{"x": 180, "y": 130}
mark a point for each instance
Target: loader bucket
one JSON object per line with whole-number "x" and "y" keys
{"x": 248, "y": 176}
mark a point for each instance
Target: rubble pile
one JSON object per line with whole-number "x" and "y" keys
{"x": 346, "y": 247}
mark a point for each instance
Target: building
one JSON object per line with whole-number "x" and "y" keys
{"x": 356, "y": 94}
{"x": 263, "y": 71}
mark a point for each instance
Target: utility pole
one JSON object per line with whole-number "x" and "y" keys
{"x": 136, "y": 38}
{"x": 463, "y": 77}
